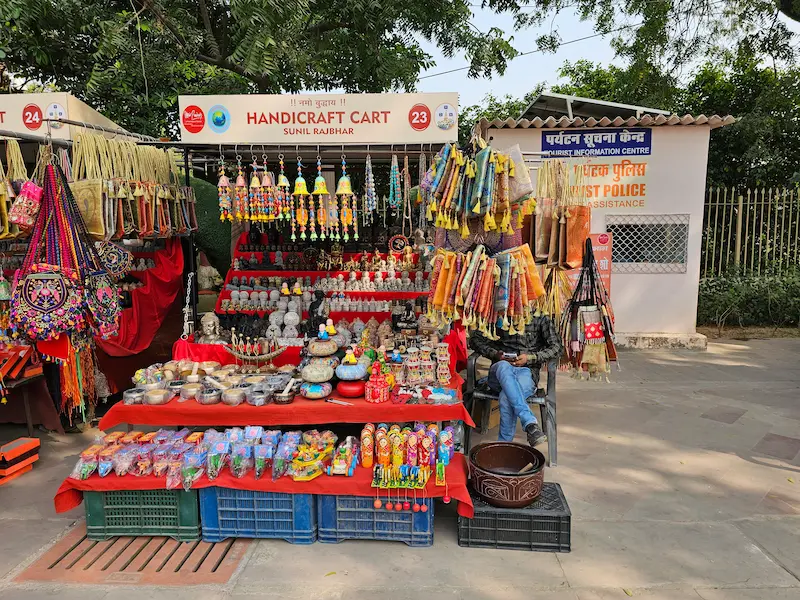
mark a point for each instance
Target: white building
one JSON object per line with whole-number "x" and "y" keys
{"x": 647, "y": 188}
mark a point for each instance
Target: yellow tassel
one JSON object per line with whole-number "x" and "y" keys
{"x": 432, "y": 205}
{"x": 429, "y": 214}
{"x": 504, "y": 323}
{"x": 464, "y": 228}
{"x": 477, "y": 208}
{"x": 512, "y": 330}
{"x": 520, "y": 218}
{"x": 511, "y": 168}
{"x": 489, "y": 223}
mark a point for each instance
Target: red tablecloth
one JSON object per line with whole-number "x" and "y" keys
{"x": 300, "y": 412}
{"x": 70, "y": 494}
{"x": 151, "y": 303}
{"x": 186, "y": 349}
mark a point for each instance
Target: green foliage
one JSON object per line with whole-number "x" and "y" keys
{"x": 493, "y": 107}
{"x": 671, "y": 34}
{"x": 761, "y": 149}
{"x": 749, "y": 300}
{"x": 213, "y": 236}
{"x": 132, "y": 58}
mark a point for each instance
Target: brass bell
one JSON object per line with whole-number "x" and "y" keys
{"x": 320, "y": 187}
{"x": 283, "y": 181}
{"x": 300, "y": 187}
{"x": 344, "y": 187}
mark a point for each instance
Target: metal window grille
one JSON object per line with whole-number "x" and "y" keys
{"x": 649, "y": 243}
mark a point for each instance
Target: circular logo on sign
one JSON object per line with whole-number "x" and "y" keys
{"x": 219, "y": 119}
{"x": 419, "y": 117}
{"x": 603, "y": 238}
{"x": 55, "y": 111}
{"x": 193, "y": 118}
{"x": 32, "y": 116}
{"x": 445, "y": 116}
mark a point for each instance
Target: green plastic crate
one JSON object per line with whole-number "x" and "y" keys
{"x": 171, "y": 513}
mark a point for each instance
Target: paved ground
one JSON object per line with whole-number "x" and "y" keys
{"x": 683, "y": 476}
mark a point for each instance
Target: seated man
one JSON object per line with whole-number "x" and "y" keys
{"x": 517, "y": 360}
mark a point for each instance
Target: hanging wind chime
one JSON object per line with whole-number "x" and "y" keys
{"x": 344, "y": 190}
{"x": 321, "y": 191}
{"x": 269, "y": 207}
{"x": 300, "y": 192}
{"x": 241, "y": 192}
{"x": 285, "y": 204}
{"x": 256, "y": 194}
{"x": 224, "y": 192}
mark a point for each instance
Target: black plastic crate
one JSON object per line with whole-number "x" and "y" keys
{"x": 544, "y": 526}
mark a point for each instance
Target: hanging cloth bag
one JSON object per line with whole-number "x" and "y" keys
{"x": 89, "y": 187}
{"x": 47, "y": 300}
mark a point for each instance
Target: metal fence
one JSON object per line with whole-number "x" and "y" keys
{"x": 752, "y": 231}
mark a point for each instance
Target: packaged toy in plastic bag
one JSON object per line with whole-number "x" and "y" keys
{"x": 105, "y": 460}
{"x": 285, "y": 453}
{"x": 262, "y": 456}
{"x": 241, "y": 459}
{"x": 87, "y": 463}
{"x": 194, "y": 465}
{"x": 123, "y": 460}
{"x": 174, "y": 474}
{"x": 217, "y": 458}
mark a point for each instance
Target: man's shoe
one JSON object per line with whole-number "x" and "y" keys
{"x": 535, "y": 435}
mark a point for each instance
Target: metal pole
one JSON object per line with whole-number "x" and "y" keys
{"x": 738, "y": 248}
{"x": 192, "y": 257}
{"x": 30, "y": 137}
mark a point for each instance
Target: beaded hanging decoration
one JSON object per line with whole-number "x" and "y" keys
{"x": 241, "y": 192}
{"x": 255, "y": 194}
{"x": 300, "y": 191}
{"x": 312, "y": 213}
{"x": 224, "y": 192}
{"x": 284, "y": 205}
{"x": 395, "y": 191}
{"x": 370, "y": 199}
{"x": 269, "y": 209}
{"x": 344, "y": 189}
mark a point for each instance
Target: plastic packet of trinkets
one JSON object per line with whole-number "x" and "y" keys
{"x": 217, "y": 459}
{"x": 83, "y": 468}
{"x": 241, "y": 460}
{"x": 174, "y": 478}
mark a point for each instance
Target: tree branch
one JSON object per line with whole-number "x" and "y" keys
{"x": 212, "y": 40}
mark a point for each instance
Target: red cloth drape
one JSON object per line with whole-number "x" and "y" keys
{"x": 70, "y": 494}
{"x": 151, "y": 303}
{"x": 186, "y": 349}
{"x": 299, "y": 412}
{"x": 457, "y": 340}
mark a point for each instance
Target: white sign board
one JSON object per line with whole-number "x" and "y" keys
{"x": 320, "y": 119}
{"x": 27, "y": 113}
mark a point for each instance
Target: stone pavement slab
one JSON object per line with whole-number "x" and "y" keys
{"x": 780, "y": 538}
{"x": 19, "y": 539}
{"x": 647, "y": 554}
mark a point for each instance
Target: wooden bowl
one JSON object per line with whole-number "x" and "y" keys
{"x": 494, "y": 471}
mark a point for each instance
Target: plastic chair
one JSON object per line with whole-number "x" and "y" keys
{"x": 478, "y": 389}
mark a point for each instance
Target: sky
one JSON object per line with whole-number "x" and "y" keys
{"x": 524, "y": 72}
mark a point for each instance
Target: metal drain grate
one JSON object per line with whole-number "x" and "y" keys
{"x": 136, "y": 560}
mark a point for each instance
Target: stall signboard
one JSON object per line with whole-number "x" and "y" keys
{"x": 320, "y": 119}
{"x": 601, "y": 245}
{"x": 29, "y": 113}
{"x": 615, "y": 167}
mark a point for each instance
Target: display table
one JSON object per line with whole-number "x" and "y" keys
{"x": 299, "y": 412}
{"x": 70, "y": 494}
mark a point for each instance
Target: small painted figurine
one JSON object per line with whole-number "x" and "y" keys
{"x": 285, "y": 289}
{"x": 329, "y": 328}
{"x": 323, "y": 335}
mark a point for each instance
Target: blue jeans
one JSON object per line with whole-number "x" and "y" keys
{"x": 515, "y": 385}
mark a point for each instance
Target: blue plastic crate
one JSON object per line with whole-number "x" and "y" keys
{"x": 355, "y": 518}
{"x": 227, "y": 513}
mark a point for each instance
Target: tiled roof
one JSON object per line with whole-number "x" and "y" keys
{"x": 713, "y": 121}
